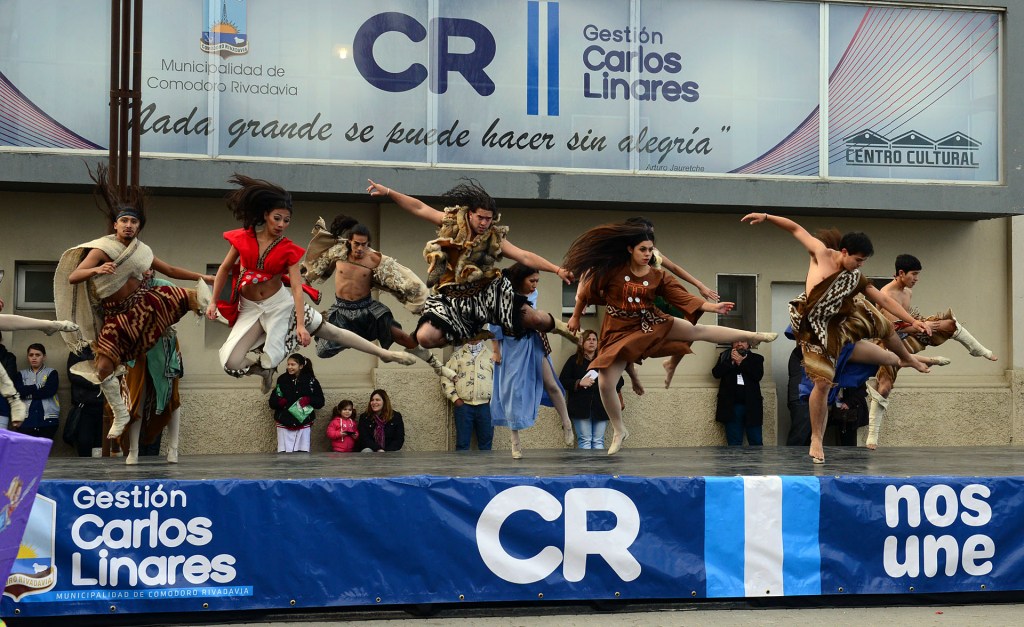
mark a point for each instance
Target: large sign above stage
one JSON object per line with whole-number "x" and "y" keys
{"x": 644, "y": 86}
{"x": 175, "y": 546}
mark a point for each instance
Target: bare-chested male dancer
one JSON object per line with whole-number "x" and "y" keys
{"x": 358, "y": 269}
{"x": 834, "y": 311}
{"x": 469, "y": 289}
{"x": 943, "y": 326}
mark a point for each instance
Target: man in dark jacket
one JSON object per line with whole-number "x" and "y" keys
{"x": 740, "y": 405}
{"x": 88, "y": 395}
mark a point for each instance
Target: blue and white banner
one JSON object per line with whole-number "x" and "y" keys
{"x": 643, "y": 86}
{"x": 176, "y": 546}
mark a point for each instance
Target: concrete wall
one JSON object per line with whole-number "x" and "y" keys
{"x": 968, "y": 266}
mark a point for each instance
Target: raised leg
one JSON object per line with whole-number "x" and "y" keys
{"x": 11, "y": 322}
{"x": 349, "y": 339}
{"x": 689, "y": 332}
{"x": 896, "y": 345}
{"x": 439, "y": 369}
{"x": 973, "y": 346}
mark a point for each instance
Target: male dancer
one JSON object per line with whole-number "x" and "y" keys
{"x": 104, "y": 286}
{"x": 345, "y": 251}
{"x": 943, "y": 327}
{"x": 469, "y": 290}
{"x": 834, "y": 311}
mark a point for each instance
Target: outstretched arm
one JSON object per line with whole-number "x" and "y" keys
{"x": 179, "y": 273}
{"x": 534, "y": 260}
{"x": 410, "y": 204}
{"x": 813, "y": 245}
{"x": 300, "y": 307}
{"x": 705, "y": 291}
{"x": 889, "y": 304}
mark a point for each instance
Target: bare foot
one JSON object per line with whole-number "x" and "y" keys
{"x": 916, "y": 364}
{"x": 399, "y": 357}
{"x": 817, "y": 452}
{"x": 670, "y": 370}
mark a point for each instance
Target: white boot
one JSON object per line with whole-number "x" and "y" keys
{"x": 132, "y": 458}
{"x": 172, "y": 436}
{"x": 203, "y": 296}
{"x": 876, "y": 415}
{"x": 18, "y": 410}
{"x": 111, "y": 388}
{"x": 972, "y": 345}
{"x": 439, "y": 369}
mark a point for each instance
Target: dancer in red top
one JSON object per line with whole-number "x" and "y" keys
{"x": 266, "y": 310}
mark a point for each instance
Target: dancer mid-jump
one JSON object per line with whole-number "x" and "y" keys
{"x": 615, "y": 259}
{"x": 835, "y": 311}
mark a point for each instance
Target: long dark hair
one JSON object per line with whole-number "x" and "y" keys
{"x": 347, "y": 226}
{"x": 110, "y": 201}
{"x": 579, "y": 348}
{"x": 385, "y": 411}
{"x": 470, "y": 194}
{"x": 604, "y": 248}
{"x": 517, "y": 273}
{"x": 254, "y": 198}
{"x": 305, "y": 367}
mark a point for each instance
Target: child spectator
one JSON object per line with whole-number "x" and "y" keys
{"x": 295, "y": 400}
{"x": 343, "y": 431}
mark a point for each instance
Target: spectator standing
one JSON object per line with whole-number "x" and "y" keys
{"x": 799, "y": 410}
{"x": 740, "y": 405}
{"x": 584, "y": 402}
{"x": 295, "y": 400}
{"x": 380, "y": 427}
{"x": 849, "y": 413}
{"x": 38, "y": 388}
{"x": 470, "y": 394}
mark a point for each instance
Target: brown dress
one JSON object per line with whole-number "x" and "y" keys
{"x": 634, "y": 328}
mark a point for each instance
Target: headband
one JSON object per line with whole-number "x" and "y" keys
{"x": 127, "y": 211}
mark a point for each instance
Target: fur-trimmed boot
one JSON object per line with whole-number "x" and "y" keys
{"x": 876, "y": 415}
{"x": 18, "y": 410}
{"x": 560, "y": 328}
{"x": 111, "y": 388}
{"x": 972, "y": 345}
{"x": 439, "y": 369}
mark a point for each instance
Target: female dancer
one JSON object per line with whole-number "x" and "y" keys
{"x": 270, "y": 312}
{"x": 524, "y": 377}
{"x": 617, "y": 258}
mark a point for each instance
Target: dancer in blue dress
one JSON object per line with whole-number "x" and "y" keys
{"x": 524, "y": 376}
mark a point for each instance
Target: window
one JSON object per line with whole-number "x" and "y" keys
{"x": 34, "y": 287}
{"x": 569, "y": 301}
{"x": 742, "y": 290}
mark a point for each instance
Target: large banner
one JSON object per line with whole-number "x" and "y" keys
{"x": 705, "y": 86}
{"x": 175, "y": 546}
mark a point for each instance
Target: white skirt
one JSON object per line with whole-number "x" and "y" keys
{"x": 276, "y": 315}
{"x": 292, "y": 440}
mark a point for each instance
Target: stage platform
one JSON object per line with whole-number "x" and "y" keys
{"x": 322, "y": 530}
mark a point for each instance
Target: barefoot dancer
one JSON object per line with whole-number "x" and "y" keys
{"x": 943, "y": 326}
{"x": 834, "y": 311}
{"x": 358, "y": 269}
{"x": 269, "y": 314}
{"x": 105, "y": 287}
{"x": 469, "y": 291}
{"x": 616, "y": 260}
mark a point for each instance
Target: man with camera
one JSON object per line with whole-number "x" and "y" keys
{"x": 740, "y": 405}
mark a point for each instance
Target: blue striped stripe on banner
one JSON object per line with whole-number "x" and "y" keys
{"x": 761, "y": 536}
{"x": 552, "y": 58}
{"x": 532, "y": 56}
